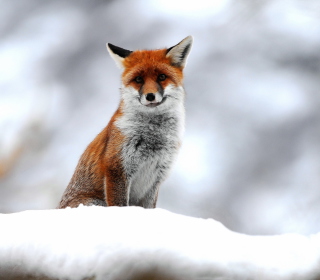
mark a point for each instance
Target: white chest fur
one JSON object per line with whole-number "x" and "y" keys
{"x": 152, "y": 139}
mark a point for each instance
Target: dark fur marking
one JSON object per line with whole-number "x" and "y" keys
{"x": 119, "y": 51}
{"x": 185, "y": 52}
{"x": 168, "y": 50}
{"x": 139, "y": 142}
{"x": 160, "y": 88}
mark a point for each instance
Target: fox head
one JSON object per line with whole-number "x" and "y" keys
{"x": 152, "y": 78}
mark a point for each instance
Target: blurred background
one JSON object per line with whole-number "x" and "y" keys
{"x": 251, "y": 151}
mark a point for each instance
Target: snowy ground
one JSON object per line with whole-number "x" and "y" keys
{"x": 135, "y": 243}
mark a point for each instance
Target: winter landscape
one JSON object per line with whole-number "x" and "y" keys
{"x": 251, "y": 152}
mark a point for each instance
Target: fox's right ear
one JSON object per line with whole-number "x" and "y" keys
{"x": 179, "y": 53}
{"x": 118, "y": 54}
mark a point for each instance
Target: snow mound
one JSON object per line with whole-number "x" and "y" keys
{"x": 135, "y": 243}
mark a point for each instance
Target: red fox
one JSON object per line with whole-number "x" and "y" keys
{"x": 125, "y": 164}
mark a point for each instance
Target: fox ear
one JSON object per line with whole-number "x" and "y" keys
{"x": 179, "y": 53}
{"x": 118, "y": 54}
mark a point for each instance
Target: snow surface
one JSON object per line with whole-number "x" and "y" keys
{"x": 136, "y": 243}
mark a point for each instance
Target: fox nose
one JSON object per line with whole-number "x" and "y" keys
{"x": 150, "y": 97}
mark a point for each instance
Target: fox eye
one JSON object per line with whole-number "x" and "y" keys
{"x": 162, "y": 77}
{"x": 138, "y": 80}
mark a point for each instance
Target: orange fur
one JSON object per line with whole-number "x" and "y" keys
{"x": 150, "y": 63}
{"x": 101, "y": 159}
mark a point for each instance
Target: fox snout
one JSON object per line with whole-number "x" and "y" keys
{"x": 151, "y": 93}
{"x": 151, "y": 99}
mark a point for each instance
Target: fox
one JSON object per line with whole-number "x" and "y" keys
{"x": 129, "y": 159}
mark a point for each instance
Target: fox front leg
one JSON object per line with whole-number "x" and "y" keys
{"x": 150, "y": 198}
{"x": 116, "y": 189}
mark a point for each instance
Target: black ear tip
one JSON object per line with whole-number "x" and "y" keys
{"x": 112, "y": 47}
{"x": 119, "y": 51}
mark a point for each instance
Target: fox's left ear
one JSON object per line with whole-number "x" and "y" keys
{"x": 179, "y": 53}
{"x": 118, "y": 54}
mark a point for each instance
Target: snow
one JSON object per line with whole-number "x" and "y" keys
{"x": 132, "y": 243}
